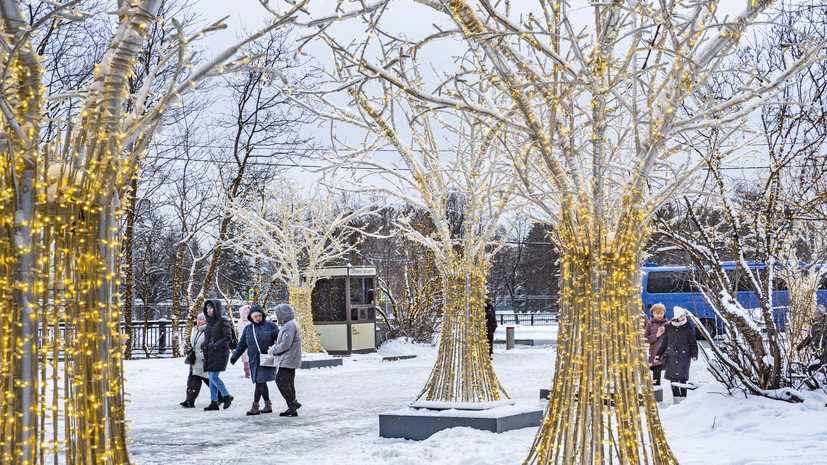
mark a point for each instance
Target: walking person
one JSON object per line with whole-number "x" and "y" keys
{"x": 653, "y": 334}
{"x": 288, "y": 348}
{"x": 490, "y": 324}
{"x": 242, "y": 323}
{"x": 216, "y": 347}
{"x": 256, "y": 338}
{"x": 197, "y": 374}
{"x": 677, "y": 351}
{"x": 816, "y": 340}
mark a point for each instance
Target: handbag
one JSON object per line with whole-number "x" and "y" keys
{"x": 189, "y": 359}
{"x": 264, "y": 360}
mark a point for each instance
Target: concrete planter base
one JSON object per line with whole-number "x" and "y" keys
{"x": 321, "y": 363}
{"x": 419, "y": 424}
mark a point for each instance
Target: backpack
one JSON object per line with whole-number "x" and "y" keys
{"x": 233, "y": 336}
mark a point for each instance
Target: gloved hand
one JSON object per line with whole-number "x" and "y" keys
{"x": 204, "y": 346}
{"x": 233, "y": 360}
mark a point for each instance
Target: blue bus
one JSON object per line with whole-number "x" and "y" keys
{"x": 672, "y": 286}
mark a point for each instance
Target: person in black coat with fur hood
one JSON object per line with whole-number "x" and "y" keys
{"x": 677, "y": 351}
{"x": 216, "y": 347}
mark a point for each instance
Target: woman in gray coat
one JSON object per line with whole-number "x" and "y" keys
{"x": 197, "y": 374}
{"x": 288, "y": 348}
{"x": 255, "y": 339}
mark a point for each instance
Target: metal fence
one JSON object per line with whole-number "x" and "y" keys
{"x": 150, "y": 339}
{"x": 527, "y": 319}
{"x": 153, "y": 339}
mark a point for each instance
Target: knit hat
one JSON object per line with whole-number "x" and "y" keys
{"x": 201, "y": 316}
{"x": 256, "y": 309}
{"x": 820, "y": 309}
{"x": 679, "y": 312}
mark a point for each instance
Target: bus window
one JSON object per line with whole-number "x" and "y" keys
{"x": 668, "y": 282}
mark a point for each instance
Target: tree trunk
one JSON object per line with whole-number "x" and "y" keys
{"x": 602, "y": 408}
{"x": 300, "y": 301}
{"x": 177, "y": 297}
{"x": 129, "y": 269}
{"x": 463, "y": 371}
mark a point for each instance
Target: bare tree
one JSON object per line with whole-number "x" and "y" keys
{"x": 410, "y": 284}
{"x": 60, "y": 239}
{"x": 601, "y": 119}
{"x": 300, "y": 235}
{"x": 770, "y": 231}
{"x": 463, "y": 186}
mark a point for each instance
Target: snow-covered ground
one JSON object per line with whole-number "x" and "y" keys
{"x": 339, "y": 420}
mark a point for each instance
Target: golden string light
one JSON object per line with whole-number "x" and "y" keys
{"x": 62, "y": 372}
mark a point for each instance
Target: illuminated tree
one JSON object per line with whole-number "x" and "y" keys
{"x": 300, "y": 235}
{"x": 59, "y": 318}
{"x": 604, "y": 109}
{"x": 451, "y": 169}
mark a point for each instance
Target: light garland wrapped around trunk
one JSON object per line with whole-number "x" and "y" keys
{"x": 299, "y": 296}
{"x": 463, "y": 371}
{"x": 602, "y": 406}
{"x": 61, "y": 347}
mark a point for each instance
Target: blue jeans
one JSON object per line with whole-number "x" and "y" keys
{"x": 216, "y": 385}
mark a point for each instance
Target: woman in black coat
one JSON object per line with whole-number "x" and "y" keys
{"x": 216, "y": 347}
{"x": 677, "y": 351}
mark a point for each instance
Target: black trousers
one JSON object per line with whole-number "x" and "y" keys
{"x": 284, "y": 381}
{"x": 656, "y": 372}
{"x": 194, "y": 387}
{"x": 261, "y": 391}
{"x": 678, "y": 391}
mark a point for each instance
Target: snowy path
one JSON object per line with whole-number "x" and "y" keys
{"x": 338, "y": 423}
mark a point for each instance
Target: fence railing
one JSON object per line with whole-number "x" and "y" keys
{"x": 528, "y": 319}
{"x": 150, "y": 339}
{"x": 153, "y": 339}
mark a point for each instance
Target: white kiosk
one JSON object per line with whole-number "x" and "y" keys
{"x": 344, "y": 312}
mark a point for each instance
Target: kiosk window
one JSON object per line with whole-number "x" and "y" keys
{"x": 362, "y": 314}
{"x": 361, "y": 291}
{"x": 328, "y": 300}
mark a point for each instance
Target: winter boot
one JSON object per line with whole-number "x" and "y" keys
{"x": 268, "y": 407}
{"x": 187, "y": 404}
{"x": 677, "y": 400}
{"x": 254, "y": 410}
{"x": 291, "y": 409}
{"x": 227, "y": 401}
{"x": 213, "y": 406}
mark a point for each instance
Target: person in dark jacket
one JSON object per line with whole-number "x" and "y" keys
{"x": 216, "y": 347}
{"x": 653, "y": 335}
{"x": 288, "y": 349}
{"x": 255, "y": 339}
{"x": 490, "y": 324}
{"x": 816, "y": 339}
{"x": 678, "y": 349}
{"x": 197, "y": 374}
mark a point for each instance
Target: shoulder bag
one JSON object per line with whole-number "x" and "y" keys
{"x": 265, "y": 360}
